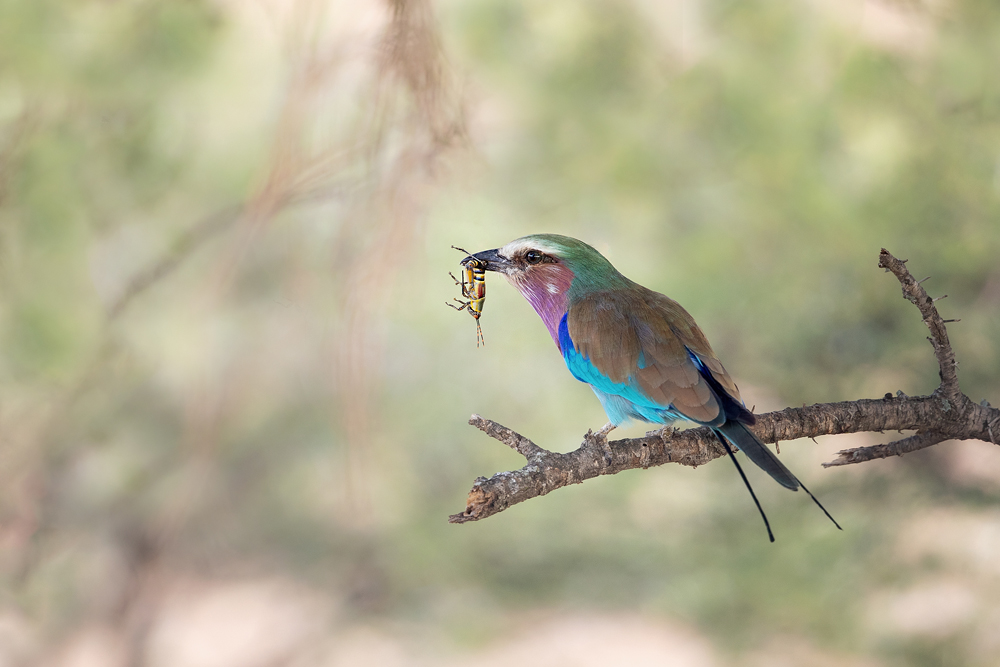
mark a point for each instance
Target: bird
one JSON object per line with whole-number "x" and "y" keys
{"x": 641, "y": 352}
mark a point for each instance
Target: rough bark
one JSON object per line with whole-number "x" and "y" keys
{"x": 946, "y": 414}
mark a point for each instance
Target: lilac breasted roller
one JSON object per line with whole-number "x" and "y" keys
{"x": 640, "y": 351}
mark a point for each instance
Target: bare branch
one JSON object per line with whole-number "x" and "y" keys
{"x": 916, "y": 295}
{"x": 947, "y": 414}
{"x": 515, "y": 441}
{"x": 897, "y": 448}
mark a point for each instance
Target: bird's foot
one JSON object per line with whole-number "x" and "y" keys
{"x": 663, "y": 432}
{"x": 601, "y": 439}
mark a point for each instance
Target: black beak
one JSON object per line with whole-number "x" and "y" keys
{"x": 492, "y": 261}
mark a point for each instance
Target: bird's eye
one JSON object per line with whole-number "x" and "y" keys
{"x": 533, "y": 257}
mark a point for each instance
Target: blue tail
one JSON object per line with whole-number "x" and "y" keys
{"x": 739, "y": 435}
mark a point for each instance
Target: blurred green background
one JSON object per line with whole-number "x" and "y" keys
{"x": 233, "y": 405}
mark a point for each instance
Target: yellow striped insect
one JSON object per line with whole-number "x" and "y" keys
{"x": 473, "y": 284}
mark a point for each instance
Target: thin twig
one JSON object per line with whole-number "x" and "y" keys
{"x": 515, "y": 441}
{"x": 188, "y": 242}
{"x": 916, "y": 295}
{"x": 897, "y": 448}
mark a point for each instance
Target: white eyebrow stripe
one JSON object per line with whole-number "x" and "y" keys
{"x": 518, "y": 245}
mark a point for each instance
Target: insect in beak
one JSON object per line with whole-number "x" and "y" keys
{"x": 473, "y": 285}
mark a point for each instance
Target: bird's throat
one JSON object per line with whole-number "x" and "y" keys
{"x": 547, "y": 290}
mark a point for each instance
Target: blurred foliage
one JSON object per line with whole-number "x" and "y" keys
{"x": 81, "y": 86}
{"x": 748, "y": 159}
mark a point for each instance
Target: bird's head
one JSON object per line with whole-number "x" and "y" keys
{"x": 540, "y": 259}
{"x": 551, "y": 271}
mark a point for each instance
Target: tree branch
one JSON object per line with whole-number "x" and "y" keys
{"x": 898, "y": 448}
{"x": 915, "y": 294}
{"x": 947, "y": 414}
